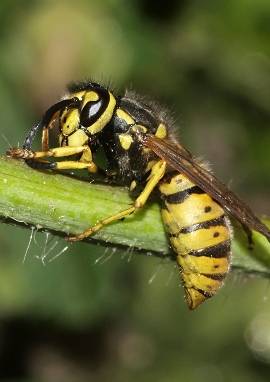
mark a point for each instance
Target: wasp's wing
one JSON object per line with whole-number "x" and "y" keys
{"x": 181, "y": 160}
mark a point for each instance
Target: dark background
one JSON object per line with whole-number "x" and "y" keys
{"x": 74, "y": 317}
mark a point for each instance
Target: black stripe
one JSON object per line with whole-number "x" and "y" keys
{"x": 215, "y": 276}
{"x": 203, "y": 292}
{"x": 216, "y": 251}
{"x": 203, "y": 225}
{"x": 180, "y": 196}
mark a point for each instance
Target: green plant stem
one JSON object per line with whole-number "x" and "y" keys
{"x": 64, "y": 206}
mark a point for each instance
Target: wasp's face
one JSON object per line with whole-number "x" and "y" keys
{"x": 78, "y": 125}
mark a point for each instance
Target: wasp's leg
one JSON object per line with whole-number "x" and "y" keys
{"x": 86, "y": 160}
{"x": 45, "y": 131}
{"x": 65, "y": 165}
{"x": 157, "y": 173}
{"x": 45, "y": 139}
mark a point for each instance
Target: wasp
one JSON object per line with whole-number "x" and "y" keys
{"x": 141, "y": 151}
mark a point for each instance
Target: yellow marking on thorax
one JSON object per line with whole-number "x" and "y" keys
{"x": 161, "y": 131}
{"x": 125, "y": 141}
{"x": 122, "y": 114}
{"x": 78, "y": 138}
{"x": 105, "y": 118}
{"x": 70, "y": 120}
{"x": 139, "y": 129}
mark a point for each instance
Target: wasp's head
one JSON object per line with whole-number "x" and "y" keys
{"x": 95, "y": 109}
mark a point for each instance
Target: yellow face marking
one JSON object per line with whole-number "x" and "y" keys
{"x": 161, "y": 131}
{"x": 69, "y": 121}
{"x": 122, "y": 114}
{"x": 125, "y": 141}
{"x": 78, "y": 138}
{"x": 105, "y": 118}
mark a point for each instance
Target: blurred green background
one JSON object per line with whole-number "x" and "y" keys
{"x": 86, "y": 313}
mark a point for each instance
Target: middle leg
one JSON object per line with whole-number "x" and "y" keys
{"x": 157, "y": 172}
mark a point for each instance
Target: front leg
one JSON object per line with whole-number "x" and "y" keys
{"x": 157, "y": 173}
{"x": 33, "y": 158}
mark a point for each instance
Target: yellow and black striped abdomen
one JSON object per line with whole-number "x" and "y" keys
{"x": 200, "y": 235}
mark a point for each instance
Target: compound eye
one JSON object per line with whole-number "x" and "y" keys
{"x": 91, "y": 112}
